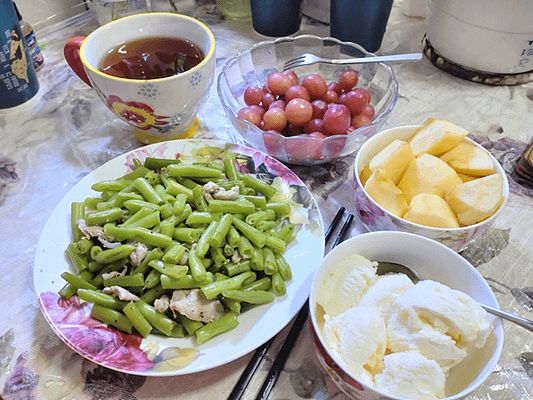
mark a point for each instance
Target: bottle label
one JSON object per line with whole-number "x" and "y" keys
{"x": 34, "y": 50}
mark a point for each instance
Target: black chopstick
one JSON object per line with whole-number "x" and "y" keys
{"x": 260, "y": 353}
{"x": 301, "y": 319}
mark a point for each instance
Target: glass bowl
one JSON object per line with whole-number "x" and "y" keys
{"x": 252, "y": 67}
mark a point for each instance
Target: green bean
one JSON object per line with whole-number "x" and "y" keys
{"x": 221, "y": 230}
{"x": 232, "y": 305}
{"x": 77, "y": 281}
{"x": 287, "y": 233}
{"x": 98, "y": 280}
{"x": 188, "y": 235}
{"x": 278, "y": 285}
{"x": 152, "y": 178}
{"x": 224, "y": 324}
{"x": 113, "y": 185}
{"x": 270, "y": 266}
{"x": 139, "y": 214}
{"x": 202, "y": 246}
{"x": 230, "y": 167}
{"x": 91, "y": 202}
{"x": 258, "y": 201}
{"x": 228, "y": 250}
{"x": 199, "y": 199}
{"x": 257, "y": 260}
{"x": 174, "y": 253}
{"x": 148, "y": 221}
{"x": 185, "y": 282}
{"x": 150, "y": 295}
{"x": 173, "y": 270}
{"x": 136, "y": 205}
{"x": 77, "y": 212}
{"x": 140, "y": 234}
{"x": 139, "y": 172}
{"x": 281, "y": 209}
{"x": 147, "y": 191}
{"x": 95, "y": 267}
{"x": 137, "y": 319}
{"x": 94, "y": 251}
{"x": 259, "y": 186}
{"x": 254, "y": 235}
{"x": 76, "y": 259}
{"x": 136, "y": 280}
{"x": 233, "y": 269}
{"x": 114, "y": 254}
{"x": 158, "y": 163}
{"x": 166, "y": 210}
{"x": 179, "y": 203}
{"x": 264, "y": 226}
{"x": 67, "y": 291}
{"x": 215, "y": 288}
{"x": 198, "y": 218}
{"x": 260, "y": 284}
{"x": 192, "y": 171}
{"x": 250, "y": 296}
{"x": 218, "y": 256}
{"x": 112, "y": 317}
{"x": 190, "y": 325}
{"x": 245, "y": 248}
{"x": 283, "y": 266}
{"x": 175, "y": 188}
{"x": 154, "y": 254}
{"x": 196, "y": 266}
{"x": 97, "y": 297}
{"x": 156, "y": 318}
{"x": 239, "y": 206}
{"x": 233, "y": 236}
{"x": 275, "y": 243}
{"x": 152, "y": 279}
{"x": 101, "y": 217}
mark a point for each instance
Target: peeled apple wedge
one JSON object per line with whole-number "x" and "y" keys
{"x": 436, "y": 137}
{"x": 384, "y": 192}
{"x": 428, "y": 174}
{"x": 469, "y": 159}
{"x": 431, "y": 210}
{"x": 476, "y": 200}
{"x": 393, "y": 159}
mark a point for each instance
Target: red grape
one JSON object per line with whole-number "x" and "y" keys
{"x": 278, "y": 83}
{"x": 354, "y": 100}
{"x": 336, "y": 119}
{"x": 335, "y": 87}
{"x": 275, "y": 119}
{"x": 260, "y": 110}
{"x": 318, "y": 135}
{"x": 348, "y": 79}
{"x": 250, "y": 115}
{"x": 369, "y": 111}
{"x": 315, "y": 125}
{"x": 278, "y": 104}
{"x": 298, "y": 111}
{"x": 253, "y": 95}
{"x": 297, "y": 92}
{"x": 360, "y": 120}
{"x": 293, "y": 77}
{"x": 267, "y": 100}
{"x": 315, "y": 85}
{"x": 319, "y": 108}
{"x": 331, "y": 96}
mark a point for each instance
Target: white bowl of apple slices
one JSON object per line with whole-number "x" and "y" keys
{"x": 431, "y": 180}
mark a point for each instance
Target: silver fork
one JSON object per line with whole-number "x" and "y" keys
{"x": 308, "y": 59}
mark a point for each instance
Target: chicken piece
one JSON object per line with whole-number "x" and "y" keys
{"x": 97, "y": 232}
{"x": 120, "y": 292}
{"x": 212, "y": 191}
{"x": 112, "y": 274}
{"x": 139, "y": 254}
{"x": 194, "y": 305}
{"x": 162, "y": 304}
{"x": 236, "y": 257}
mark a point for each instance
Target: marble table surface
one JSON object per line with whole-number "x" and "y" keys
{"x": 51, "y": 143}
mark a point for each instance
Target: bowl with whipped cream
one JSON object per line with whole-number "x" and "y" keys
{"x": 382, "y": 336}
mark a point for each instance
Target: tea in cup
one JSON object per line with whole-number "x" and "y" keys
{"x": 154, "y": 71}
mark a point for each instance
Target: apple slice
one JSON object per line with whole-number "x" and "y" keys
{"x": 384, "y": 192}
{"x": 469, "y": 159}
{"x": 393, "y": 159}
{"x": 436, "y": 137}
{"x": 431, "y": 210}
{"x": 428, "y": 174}
{"x": 476, "y": 200}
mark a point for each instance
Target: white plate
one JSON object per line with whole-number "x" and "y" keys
{"x": 157, "y": 355}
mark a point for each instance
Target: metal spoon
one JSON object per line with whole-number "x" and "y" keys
{"x": 385, "y": 267}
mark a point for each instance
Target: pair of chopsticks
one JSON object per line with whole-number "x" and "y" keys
{"x": 292, "y": 336}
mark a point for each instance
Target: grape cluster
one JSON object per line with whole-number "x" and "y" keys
{"x": 311, "y": 108}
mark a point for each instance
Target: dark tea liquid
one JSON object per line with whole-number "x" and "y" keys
{"x": 151, "y": 58}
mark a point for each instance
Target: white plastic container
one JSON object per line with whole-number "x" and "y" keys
{"x": 494, "y": 36}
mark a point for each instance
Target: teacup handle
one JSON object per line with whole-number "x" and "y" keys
{"x": 72, "y": 55}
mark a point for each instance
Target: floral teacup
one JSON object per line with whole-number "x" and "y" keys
{"x": 159, "y": 109}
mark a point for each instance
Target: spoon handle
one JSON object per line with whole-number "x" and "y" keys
{"x": 523, "y": 322}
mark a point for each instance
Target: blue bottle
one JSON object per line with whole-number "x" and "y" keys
{"x": 18, "y": 80}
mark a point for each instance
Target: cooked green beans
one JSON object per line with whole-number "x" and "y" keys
{"x": 163, "y": 231}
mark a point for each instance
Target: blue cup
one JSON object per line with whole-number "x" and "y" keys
{"x": 360, "y": 21}
{"x": 276, "y": 17}
{"x": 18, "y": 81}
